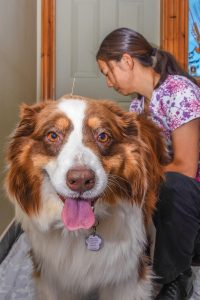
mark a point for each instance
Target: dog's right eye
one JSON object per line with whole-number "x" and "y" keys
{"x": 103, "y": 137}
{"x": 52, "y": 136}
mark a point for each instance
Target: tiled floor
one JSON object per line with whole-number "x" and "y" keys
{"x": 15, "y": 274}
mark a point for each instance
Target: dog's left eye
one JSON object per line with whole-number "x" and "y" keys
{"x": 103, "y": 137}
{"x": 52, "y": 136}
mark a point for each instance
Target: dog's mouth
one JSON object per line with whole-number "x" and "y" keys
{"x": 78, "y": 213}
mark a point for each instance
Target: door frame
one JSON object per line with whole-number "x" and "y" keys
{"x": 48, "y": 44}
{"x": 174, "y": 29}
{"x": 174, "y": 32}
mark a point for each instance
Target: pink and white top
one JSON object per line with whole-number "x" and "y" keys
{"x": 174, "y": 103}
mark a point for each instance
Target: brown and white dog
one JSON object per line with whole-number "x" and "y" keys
{"x": 83, "y": 175}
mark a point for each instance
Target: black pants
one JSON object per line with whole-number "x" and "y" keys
{"x": 177, "y": 222}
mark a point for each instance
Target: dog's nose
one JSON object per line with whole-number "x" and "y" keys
{"x": 80, "y": 179}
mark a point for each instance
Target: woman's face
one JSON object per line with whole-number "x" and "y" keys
{"x": 118, "y": 75}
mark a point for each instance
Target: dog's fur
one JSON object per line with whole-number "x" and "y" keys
{"x": 123, "y": 153}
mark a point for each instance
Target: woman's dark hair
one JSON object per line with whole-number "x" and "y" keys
{"x": 125, "y": 40}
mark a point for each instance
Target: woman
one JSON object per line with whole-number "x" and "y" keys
{"x": 172, "y": 98}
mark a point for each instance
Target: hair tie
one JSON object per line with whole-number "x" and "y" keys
{"x": 153, "y": 57}
{"x": 154, "y": 51}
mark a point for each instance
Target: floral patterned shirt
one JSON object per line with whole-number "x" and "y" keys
{"x": 174, "y": 103}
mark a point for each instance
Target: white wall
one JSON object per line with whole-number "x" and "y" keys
{"x": 18, "y": 75}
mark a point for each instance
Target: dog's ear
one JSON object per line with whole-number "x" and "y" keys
{"x": 126, "y": 121}
{"x": 155, "y": 157}
{"x": 145, "y": 156}
{"x": 28, "y": 114}
{"x": 21, "y": 183}
{"x": 153, "y": 137}
{"x": 24, "y": 187}
{"x": 148, "y": 156}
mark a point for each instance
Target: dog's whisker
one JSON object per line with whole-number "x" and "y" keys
{"x": 116, "y": 184}
{"x": 119, "y": 177}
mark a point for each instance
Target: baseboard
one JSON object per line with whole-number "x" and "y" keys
{"x": 8, "y": 237}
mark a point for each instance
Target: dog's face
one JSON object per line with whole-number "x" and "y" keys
{"x": 68, "y": 156}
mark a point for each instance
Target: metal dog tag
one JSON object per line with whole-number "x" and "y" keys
{"x": 94, "y": 242}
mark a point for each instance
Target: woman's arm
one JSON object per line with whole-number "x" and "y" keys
{"x": 185, "y": 143}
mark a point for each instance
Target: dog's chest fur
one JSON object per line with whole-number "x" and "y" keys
{"x": 72, "y": 265}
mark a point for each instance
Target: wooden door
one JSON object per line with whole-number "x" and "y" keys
{"x": 80, "y": 27}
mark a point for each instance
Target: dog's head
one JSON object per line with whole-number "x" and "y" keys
{"x": 67, "y": 156}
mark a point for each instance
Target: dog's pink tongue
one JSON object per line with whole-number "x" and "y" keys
{"x": 77, "y": 214}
